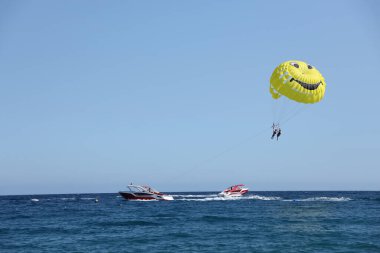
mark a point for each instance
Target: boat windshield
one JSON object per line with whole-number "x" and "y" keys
{"x": 145, "y": 188}
{"x": 150, "y": 189}
{"x": 235, "y": 188}
{"x": 137, "y": 188}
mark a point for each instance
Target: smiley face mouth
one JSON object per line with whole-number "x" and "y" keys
{"x": 307, "y": 86}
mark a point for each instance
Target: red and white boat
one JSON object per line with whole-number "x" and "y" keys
{"x": 234, "y": 191}
{"x": 143, "y": 192}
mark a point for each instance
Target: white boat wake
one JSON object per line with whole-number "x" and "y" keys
{"x": 215, "y": 197}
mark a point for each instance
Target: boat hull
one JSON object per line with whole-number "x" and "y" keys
{"x": 144, "y": 196}
{"x": 233, "y": 194}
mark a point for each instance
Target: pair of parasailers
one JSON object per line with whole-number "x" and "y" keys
{"x": 276, "y": 130}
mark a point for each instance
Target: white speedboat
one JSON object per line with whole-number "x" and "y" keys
{"x": 143, "y": 192}
{"x": 234, "y": 191}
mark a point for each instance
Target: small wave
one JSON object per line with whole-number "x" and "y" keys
{"x": 88, "y": 198}
{"x": 65, "y": 199}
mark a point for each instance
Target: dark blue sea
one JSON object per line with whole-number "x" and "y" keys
{"x": 193, "y": 222}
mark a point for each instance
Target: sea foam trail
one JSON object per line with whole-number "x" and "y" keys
{"x": 325, "y": 199}
{"x": 258, "y": 197}
{"x": 194, "y": 195}
{"x": 211, "y": 199}
{"x": 214, "y": 197}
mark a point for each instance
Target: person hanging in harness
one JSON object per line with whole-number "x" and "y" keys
{"x": 274, "y": 133}
{"x": 275, "y": 128}
{"x": 278, "y": 132}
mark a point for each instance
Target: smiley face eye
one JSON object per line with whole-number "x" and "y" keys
{"x": 295, "y": 64}
{"x": 309, "y": 67}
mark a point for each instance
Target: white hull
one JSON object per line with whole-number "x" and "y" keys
{"x": 223, "y": 194}
{"x": 234, "y": 191}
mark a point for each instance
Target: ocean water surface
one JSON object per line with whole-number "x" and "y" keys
{"x": 193, "y": 222}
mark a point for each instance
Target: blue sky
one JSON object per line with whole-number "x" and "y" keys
{"x": 97, "y": 94}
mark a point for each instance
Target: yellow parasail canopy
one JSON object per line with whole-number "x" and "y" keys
{"x": 297, "y": 81}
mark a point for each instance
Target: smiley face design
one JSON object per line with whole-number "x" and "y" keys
{"x": 298, "y": 81}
